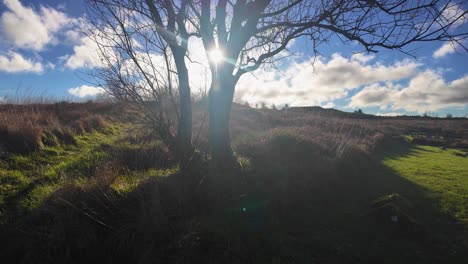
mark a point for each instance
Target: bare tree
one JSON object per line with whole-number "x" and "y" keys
{"x": 253, "y": 33}
{"x": 143, "y": 46}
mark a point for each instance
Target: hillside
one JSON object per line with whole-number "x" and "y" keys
{"x": 318, "y": 186}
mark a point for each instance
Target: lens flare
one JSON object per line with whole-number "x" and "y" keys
{"x": 216, "y": 55}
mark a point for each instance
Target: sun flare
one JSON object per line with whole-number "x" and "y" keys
{"x": 216, "y": 55}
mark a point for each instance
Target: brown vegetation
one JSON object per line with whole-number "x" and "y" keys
{"x": 27, "y": 127}
{"x": 307, "y": 183}
{"x": 338, "y": 133}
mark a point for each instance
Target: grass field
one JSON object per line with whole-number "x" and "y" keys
{"x": 439, "y": 171}
{"x": 314, "y": 189}
{"x": 32, "y": 177}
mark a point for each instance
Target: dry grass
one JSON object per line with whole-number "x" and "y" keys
{"x": 339, "y": 135}
{"x": 307, "y": 181}
{"x": 27, "y": 127}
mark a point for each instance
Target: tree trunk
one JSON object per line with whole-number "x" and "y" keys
{"x": 184, "y": 132}
{"x": 220, "y": 104}
{"x": 224, "y": 180}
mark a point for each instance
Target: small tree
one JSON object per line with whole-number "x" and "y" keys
{"x": 359, "y": 112}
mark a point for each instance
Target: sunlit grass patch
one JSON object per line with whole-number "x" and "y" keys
{"x": 244, "y": 162}
{"x": 11, "y": 181}
{"x": 128, "y": 182}
{"x": 162, "y": 172}
{"x": 37, "y": 196}
{"x": 41, "y": 172}
{"x": 441, "y": 172}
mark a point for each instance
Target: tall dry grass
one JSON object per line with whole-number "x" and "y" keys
{"x": 338, "y": 133}
{"x": 29, "y": 126}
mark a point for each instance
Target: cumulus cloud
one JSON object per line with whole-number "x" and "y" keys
{"x": 320, "y": 82}
{"x": 14, "y": 63}
{"x": 373, "y": 95}
{"x": 85, "y": 91}
{"x": 446, "y": 49}
{"x": 95, "y": 49}
{"x": 85, "y": 54}
{"x": 454, "y": 14}
{"x": 30, "y": 29}
{"x": 427, "y": 91}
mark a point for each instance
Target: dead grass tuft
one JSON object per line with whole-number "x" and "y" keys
{"x": 25, "y": 128}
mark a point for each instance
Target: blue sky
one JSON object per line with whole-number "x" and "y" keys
{"x": 43, "y": 53}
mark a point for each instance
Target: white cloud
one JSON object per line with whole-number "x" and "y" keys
{"x": 93, "y": 50}
{"x": 454, "y": 14}
{"x": 26, "y": 28}
{"x": 447, "y": 48}
{"x": 199, "y": 71}
{"x": 85, "y": 91}
{"x": 86, "y": 54}
{"x": 390, "y": 114}
{"x": 362, "y": 57}
{"x": 427, "y": 91}
{"x": 328, "y": 105}
{"x": 320, "y": 82}
{"x": 373, "y": 95}
{"x": 73, "y": 36}
{"x": 14, "y": 63}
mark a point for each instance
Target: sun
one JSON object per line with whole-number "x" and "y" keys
{"x": 216, "y": 55}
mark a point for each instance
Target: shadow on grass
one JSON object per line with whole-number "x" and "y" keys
{"x": 322, "y": 208}
{"x": 97, "y": 224}
{"x": 298, "y": 205}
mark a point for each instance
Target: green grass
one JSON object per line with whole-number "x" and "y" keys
{"x": 27, "y": 180}
{"x": 442, "y": 174}
{"x": 128, "y": 182}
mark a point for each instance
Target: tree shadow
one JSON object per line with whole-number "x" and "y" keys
{"x": 298, "y": 205}
{"x": 322, "y": 208}
{"x": 98, "y": 224}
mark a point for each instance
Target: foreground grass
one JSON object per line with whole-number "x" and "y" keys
{"x": 440, "y": 172}
{"x": 114, "y": 196}
{"x": 28, "y": 179}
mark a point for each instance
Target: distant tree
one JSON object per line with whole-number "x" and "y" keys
{"x": 449, "y": 116}
{"x": 273, "y": 106}
{"x": 359, "y": 112}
